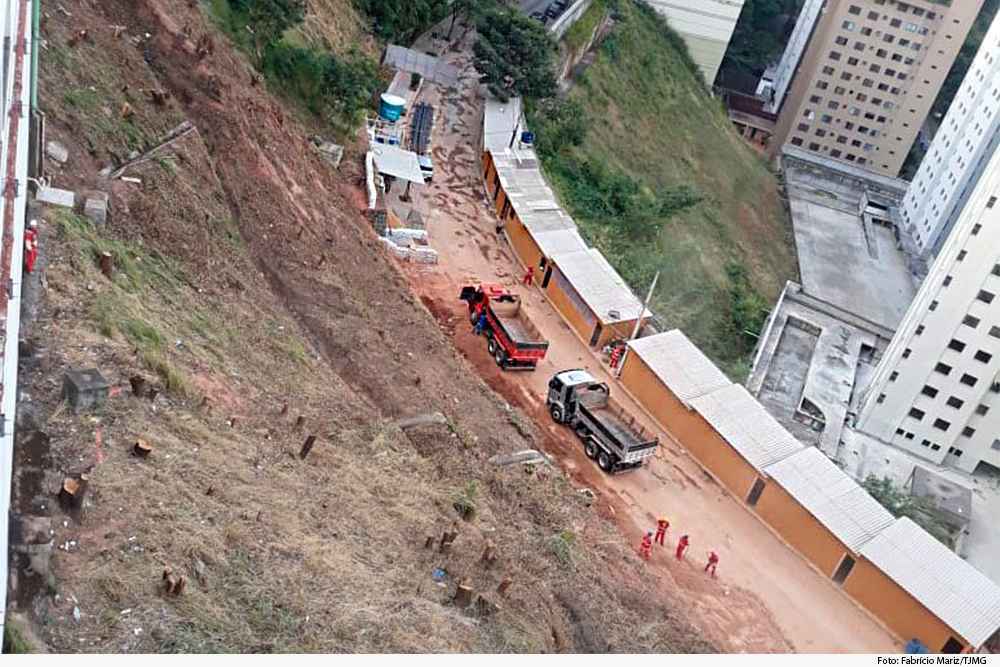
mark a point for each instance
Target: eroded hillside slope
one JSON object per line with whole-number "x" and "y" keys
{"x": 247, "y": 280}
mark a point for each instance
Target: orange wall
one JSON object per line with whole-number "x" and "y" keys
{"x": 562, "y": 303}
{"x": 688, "y": 428}
{"x": 799, "y": 528}
{"x": 885, "y": 599}
{"x": 525, "y": 247}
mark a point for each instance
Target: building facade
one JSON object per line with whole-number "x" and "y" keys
{"x": 706, "y": 27}
{"x": 964, "y": 142}
{"x": 868, "y": 77}
{"x": 935, "y": 392}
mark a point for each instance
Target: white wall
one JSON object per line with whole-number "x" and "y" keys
{"x": 706, "y": 27}
{"x": 964, "y": 143}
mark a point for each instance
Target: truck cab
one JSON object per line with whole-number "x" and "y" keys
{"x": 567, "y": 388}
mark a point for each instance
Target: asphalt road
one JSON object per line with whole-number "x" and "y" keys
{"x": 530, "y": 6}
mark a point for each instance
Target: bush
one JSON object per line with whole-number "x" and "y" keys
{"x": 900, "y": 503}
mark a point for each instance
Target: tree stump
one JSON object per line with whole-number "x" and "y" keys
{"x": 107, "y": 264}
{"x": 489, "y": 554}
{"x": 142, "y": 448}
{"x": 447, "y": 539}
{"x": 173, "y": 584}
{"x": 429, "y": 542}
{"x": 504, "y": 585}
{"x": 300, "y": 422}
{"x": 463, "y": 595}
{"x": 73, "y": 491}
{"x": 138, "y": 385}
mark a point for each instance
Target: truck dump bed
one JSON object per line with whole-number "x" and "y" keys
{"x": 517, "y": 327}
{"x": 615, "y": 422}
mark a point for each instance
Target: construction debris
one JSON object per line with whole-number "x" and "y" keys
{"x": 56, "y": 197}
{"x": 523, "y": 456}
{"x": 422, "y": 420}
{"x": 85, "y": 389}
{"x": 95, "y": 207}
{"x": 57, "y": 152}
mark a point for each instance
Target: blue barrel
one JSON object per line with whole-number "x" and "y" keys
{"x": 390, "y": 107}
{"x": 527, "y": 138}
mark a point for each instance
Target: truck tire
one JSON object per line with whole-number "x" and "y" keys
{"x": 557, "y": 414}
{"x": 491, "y": 346}
{"x": 590, "y": 447}
{"x": 604, "y": 461}
{"x": 500, "y": 357}
{"x": 581, "y": 431}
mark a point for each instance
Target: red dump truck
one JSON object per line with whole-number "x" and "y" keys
{"x": 511, "y": 338}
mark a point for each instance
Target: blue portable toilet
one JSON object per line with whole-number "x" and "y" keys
{"x": 390, "y": 107}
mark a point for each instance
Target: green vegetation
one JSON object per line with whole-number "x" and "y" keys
{"x": 14, "y": 641}
{"x": 464, "y": 501}
{"x": 759, "y": 37}
{"x": 336, "y": 89}
{"x": 514, "y": 54}
{"x": 579, "y": 33}
{"x": 900, "y": 503}
{"x": 120, "y": 307}
{"x": 651, "y": 170}
{"x": 402, "y": 20}
{"x": 561, "y": 546}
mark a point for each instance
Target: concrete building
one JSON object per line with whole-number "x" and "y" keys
{"x": 706, "y": 27}
{"x": 868, "y": 77}
{"x": 774, "y": 84}
{"x": 964, "y": 142}
{"x": 935, "y": 392}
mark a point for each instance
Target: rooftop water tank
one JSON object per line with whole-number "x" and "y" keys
{"x": 391, "y": 107}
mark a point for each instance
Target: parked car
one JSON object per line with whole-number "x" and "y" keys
{"x": 539, "y": 16}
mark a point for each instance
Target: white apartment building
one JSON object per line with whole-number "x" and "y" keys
{"x": 963, "y": 145}
{"x": 706, "y": 27}
{"x": 936, "y": 391}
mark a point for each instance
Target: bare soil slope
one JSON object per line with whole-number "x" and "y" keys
{"x": 246, "y": 280}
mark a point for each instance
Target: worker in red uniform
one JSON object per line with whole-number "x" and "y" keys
{"x": 713, "y": 560}
{"x": 682, "y": 545}
{"x": 30, "y": 246}
{"x": 661, "y": 530}
{"x": 646, "y": 548}
{"x": 529, "y": 277}
{"x": 616, "y": 356}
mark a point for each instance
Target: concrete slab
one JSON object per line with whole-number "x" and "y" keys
{"x": 57, "y": 152}
{"x": 862, "y": 273}
{"x": 85, "y": 388}
{"x": 56, "y": 197}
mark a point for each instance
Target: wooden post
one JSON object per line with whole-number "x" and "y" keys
{"x": 107, "y": 263}
{"x": 463, "y": 595}
{"x": 504, "y": 585}
{"x": 307, "y": 446}
{"x": 72, "y": 492}
{"x": 489, "y": 554}
{"x": 141, "y": 448}
{"x": 284, "y": 410}
{"x": 299, "y": 422}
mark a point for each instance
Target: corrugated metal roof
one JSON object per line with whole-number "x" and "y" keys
{"x": 599, "y": 285}
{"x": 746, "y": 425}
{"x": 950, "y": 588}
{"x": 499, "y": 120}
{"x": 397, "y": 162}
{"x": 679, "y": 364}
{"x": 546, "y": 220}
{"x": 830, "y": 495}
{"x": 559, "y": 241}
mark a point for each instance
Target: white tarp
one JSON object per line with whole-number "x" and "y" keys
{"x": 396, "y": 162}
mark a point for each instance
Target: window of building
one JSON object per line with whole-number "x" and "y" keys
{"x": 917, "y": 413}
{"x": 942, "y": 368}
{"x": 971, "y": 321}
{"x": 908, "y": 435}
{"x": 946, "y": 281}
{"x": 995, "y": 270}
{"x": 983, "y": 356}
{"x": 981, "y": 409}
{"x": 893, "y": 375}
{"x": 954, "y": 402}
{"x": 796, "y": 141}
{"x": 969, "y": 380}
{"x": 956, "y": 345}
{"x": 880, "y": 399}
{"x": 941, "y": 424}
{"x": 961, "y": 256}
{"x": 975, "y": 228}
{"x": 933, "y": 306}
{"x": 995, "y": 445}
{"x": 985, "y": 296}
{"x": 853, "y": 9}
{"x": 834, "y": 55}
{"x": 814, "y": 146}
{"x": 841, "y": 41}
{"x": 935, "y": 447}
{"x": 929, "y": 391}
{"x": 919, "y": 330}
{"x": 992, "y": 201}
{"x": 968, "y": 432}
{"x": 906, "y": 353}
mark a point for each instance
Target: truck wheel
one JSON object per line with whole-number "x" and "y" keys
{"x": 591, "y": 449}
{"x": 500, "y": 357}
{"x": 581, "y": 431}
{"x": 556, "y": 412}
{"x": 604, "y": 461}
{"x": 491, "y": 346}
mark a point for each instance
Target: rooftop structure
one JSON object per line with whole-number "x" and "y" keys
{"x": 706, "y": 27}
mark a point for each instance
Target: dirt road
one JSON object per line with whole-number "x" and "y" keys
{"x": 766, "y": 598}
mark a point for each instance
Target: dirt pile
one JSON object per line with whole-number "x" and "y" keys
{"x": 246, "y": 281}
